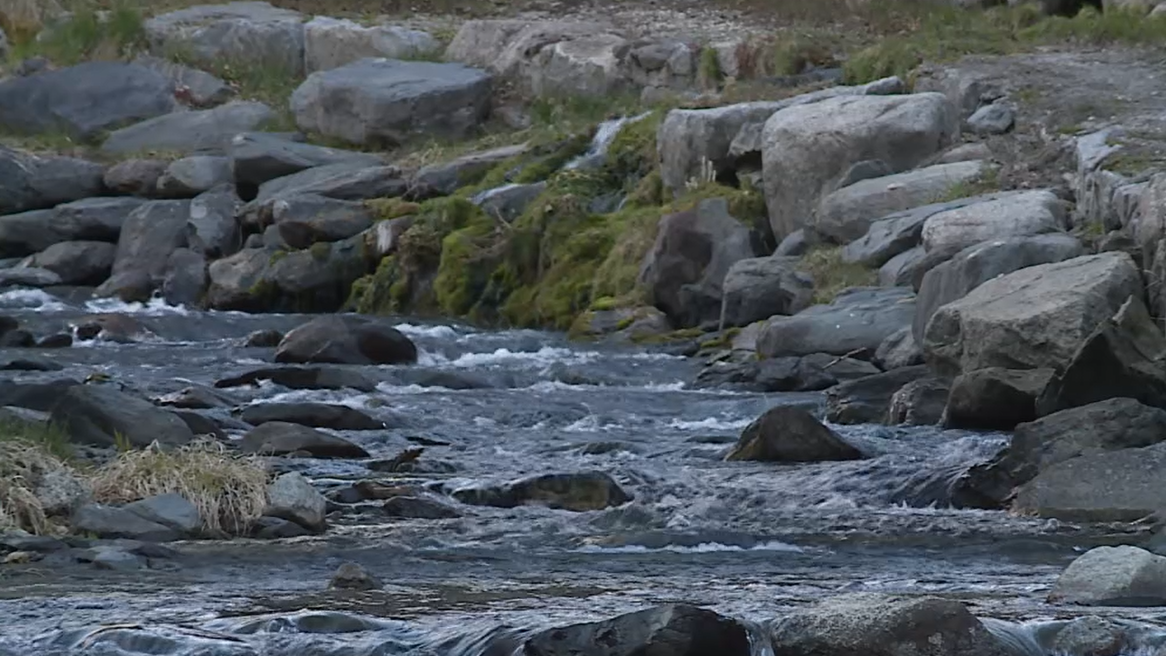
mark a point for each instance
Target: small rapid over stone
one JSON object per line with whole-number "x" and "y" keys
{"x": 744, "y": 539}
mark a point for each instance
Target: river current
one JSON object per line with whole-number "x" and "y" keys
{"x": 748, "y": 540}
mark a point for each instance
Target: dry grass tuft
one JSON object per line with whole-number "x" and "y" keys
{"x": 27, "y": 453}
{"x": 229, "y": 491}
{"x": 832, "y": 275}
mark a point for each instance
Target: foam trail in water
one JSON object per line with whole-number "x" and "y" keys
{"x": 154, "y": 307}
{"x": 31, "y": 299}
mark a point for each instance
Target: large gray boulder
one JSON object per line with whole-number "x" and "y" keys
{"x": 346, "y": 180}
{"x": 316, "y": 415}
{"x": 846, "y": 215}
{"x": 78, "y": 262}
{"x": 671, "y": 629}
{"x": 694, "y": 250}
{"x": 84, "y": 100}
{"x": 171, "y": 510}
{"x": 93, "y": 414}
{"x": 212, "y": 229}
{"x": 185, "y": 277}
{"x": 199, "y": 88}
{"x": 759, "y": 288}
{"x": 32, "y": 182}
{"x": 257, "y": 157}
{"x": 790, "y": 434}
{"x": 883, "y": 625}
{"x": 576, "y": 491}
{"x": 111, "y": 522}
{"x": 150, "y": 235}
{"x": 867, "y": 400}
{"x": 898, "y": 232}
{"x": 1011, "y": 214}
{"x": 1036, "y": 446}
{"x": 808, "y": 149}
{"x": 995, "y": 398}
{"x": 190, "y": 176}
{"x": 293, "y": 498}
{"x": 239, "y": 33}
{"x": 206, "y": 130}
{"x": 444, "y": 178}
{"x": 1032, "y": 318}
{"x": 729, "y": 137}
{"x": 90, "y": 219}
{"x": 1085, "y": 489}
{"x": 305, "y": 219}
{"x": 347, "y": 339}
{"x": 332, "y": 43}
{"x": 1113, "y": 576}
{"x": 977, "y": 264}
{"x": 857, "y": 320}
{"x": 238, "y": 282}
{"x": 281, "y": 438}
{"x": 1124, "y": 357}
{"x": 388, "y": 101}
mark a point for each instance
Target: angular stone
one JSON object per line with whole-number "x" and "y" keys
{"x": 868, "y": 399}
{"x": 995, "y": 398}
{"x": 212, "y": 229}
{"x": 193, "y": 86}
{"x": 190, "y": 176}
{"x": 858, "y": 320}
{"x": 331, "y": 43}
{"x": 1084, "y": 489}
{"x": 111, "y": 522}
{"x": 392, "y": 101}
{"x": 205, "y": 130}
{"x": 1033, "y": 318}
{"x": 96, "y": 415}
{"x": 1113, "y": 576}
{"x": 257, "y": 157}
{"x": 170, "y": 510}
{"x": 78, "y": 262}
{"x": 293, "y": 498}
{"x": 345, "y": 180}
{"x": 150, "y": 235}
{"x": 242, "y": 33}
{"x": 1009, "y": 214}
{"x": 305, "y": 219}
{"x": 32, "y": 182}
{"x": 898, "y": 232}
{"x": 577, "y": 492}
{"x": 185, "y": 278}
{"x": 135, "y": 177}
{"x": 447, "y": 177}
{"x": 918, "y": 403}
{"x": 280, "y": 438}
{"x": 898, "y": 350}
{"x": 759, "y": 288}
{"x": 790, "y": 434}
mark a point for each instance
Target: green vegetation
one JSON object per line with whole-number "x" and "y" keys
{"x": 709, "y": 74}
{"x": 985, "y": 184}
{"x": 28, "y": 453}
{"x": 832, "y": 275}
{"x": 86, "y": 35}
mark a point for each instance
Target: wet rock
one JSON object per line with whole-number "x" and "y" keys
{"x": 251, "y": 32}
{"x": 414, "y": 507}
{"x": 883, "y": 624}
{"x": 150, "y": 235}
{"x": 185, "y": 278}
{"x": 577, "y": 492}
{"x": 331, "y": 43}
{"x": 790, "y": 434}
{"x": 1090, "y": 636}
{"x": 1096, "y": 428}
{"x": 670, "y": 629}
{"x": 759, "y": 288}
{"x": 191, "y": 176}
{"x": 86, "y": 263}
{"x": 508, "y": 201}
{"x": 918, "y": 403}
{"x": 346, "y": 340}
{"x": 847, "y": 214}
{"x": 351, "y": 576}
{"x": 201, "y": 425}
{"x": 293, "y": 498}
{"x": 119, "y": 328}
{"x": 111, "y": 523}
{"x": 995, "y": 398}
{"x": 1010, "y": 214}
{"x": 212, "y": 228}
{"x": 204, "y": 130}
{"x": 281, "y": 438}
{"x": 319, "y": 415}
{"x": 41, "y": 397}
{"x": 92, "y": 414}
{"x": 30, "y": 364}
{"x": 31, "y": 182}
{"x": 274, "y": 528}
{"x": 305, "y": 219}
{"x": 971, "y": 267}
{"x": 345, "y": 180}
{"x": 192, "y": 86}
{"x": 393, "y": 101}
{"x": 19, "y": 338}
{"x": 898, "y": 350}
{"x": 1070, "y": 490}
{"x": 866, "y": 400}
{"x": 1122, "y": 358}
{"x": 28, "y": 277}
{"x": 807, "y": 148}
{"x": 693, "y": 252}
{"x": 84, "y": 100}
{"x": 114, "y": 559}
{"x": 1032, "y": 318}
{"x": 996, "y": 118}
{"x": 303, "y": 378}
{"x": 257, "y": 157}
{"x": 632, "y": 323}
{"x": 59, "y": 340}
{"x": 1113, "y": 576}
{"x": 447, "y": 177}
{"x": 171, "y": 510}
{"x": 858, "y": 320}
{"x": 266, "y": 338}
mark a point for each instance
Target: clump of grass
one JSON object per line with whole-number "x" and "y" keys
{"x": 709, "y": 74}
{"x": 832, "y": 274}
{"x": 85, "y": 35}
{"x": 229, "y": 491}
{"x": 984, "y": 184}
{"x": 28, "y": 452}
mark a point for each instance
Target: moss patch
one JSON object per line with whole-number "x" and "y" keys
{"x": 832, "y": 275}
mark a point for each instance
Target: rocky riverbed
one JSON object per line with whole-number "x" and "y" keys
{"x": 460, "y": 366}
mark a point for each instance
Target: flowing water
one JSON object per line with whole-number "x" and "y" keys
{"x": 746, "y": 539}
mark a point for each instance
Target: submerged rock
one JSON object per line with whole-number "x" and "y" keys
{"x": 790, "y": 434}
{"x": 670, "y": 630}
{"x": 867, "y": 400}
{"x": 317, "y": 415}
{"x": 351, "y": 576}
{"x": 302, "y": 378}
{"x": 577, "y": 492}
{"x": 346, "y": 340}
{"x": 1113, "y": 576}
{"x": 280, "y": 438}
{"x": 883, "y": 625}
{"x": 415, "y": 507}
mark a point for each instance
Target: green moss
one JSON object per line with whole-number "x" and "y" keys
{"x": 320, "y": 251}
{"x": 709, "y": 74}
{"x": 385, "y": 209}
{"x": 604, "y": 303}
{"x": 832, "y": 275}
{"x": 795, "y": 55}
{"x": 632, "y": 154}
{"x": 86, "y": 35}
{"x": 277, "y": 256}
{"x": 984, "y": 184}
{"x": 683, "y": 335}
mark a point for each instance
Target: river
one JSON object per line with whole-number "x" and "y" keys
{"x": 745, "y": 539}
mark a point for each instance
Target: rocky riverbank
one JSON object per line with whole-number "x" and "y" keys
{"x": 878, "y": 363}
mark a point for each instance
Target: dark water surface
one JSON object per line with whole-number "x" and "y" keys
{"x": 746, "y": 539}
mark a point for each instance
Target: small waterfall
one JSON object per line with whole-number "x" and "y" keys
{"x": 604, "y": 135}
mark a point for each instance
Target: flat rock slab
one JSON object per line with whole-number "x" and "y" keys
{"x": 30, "y": 182}
{"x": 257, "y": 157}
{"x": 332, "y": 42}
{"x": 387, "y": 101}
{"x": 1014, "y": 214}
{"x": 85, "y": 100}
{"x": 207, "y": 130}
{"x": 254, "y": 33}
{"x": 859, "y": 319}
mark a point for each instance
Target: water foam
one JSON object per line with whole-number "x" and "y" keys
{"x": 155, "y": 307}
{"x": 702, "y": 548}
{"x": 31, "y": 299}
